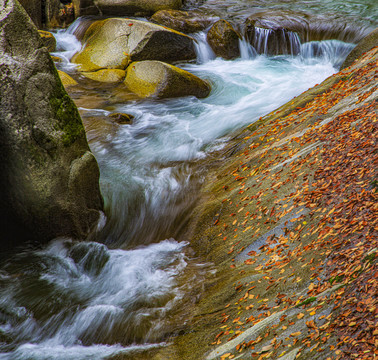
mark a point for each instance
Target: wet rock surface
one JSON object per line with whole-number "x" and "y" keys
{"x": 277, "y": 243}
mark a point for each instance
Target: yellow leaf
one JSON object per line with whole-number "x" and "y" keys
{"x": 300, "y": 316}
{"x": 225, "y": 356}
{"x": 295, "y": 334}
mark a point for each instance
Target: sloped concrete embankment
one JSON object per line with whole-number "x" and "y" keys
{"x": 289, "y": 219}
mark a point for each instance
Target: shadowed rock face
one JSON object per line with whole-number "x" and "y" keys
{"x": 48, "y": 176}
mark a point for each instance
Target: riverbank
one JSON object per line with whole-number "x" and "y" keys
{"x": 289, "y": 219}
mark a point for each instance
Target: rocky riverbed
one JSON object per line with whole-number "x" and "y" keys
{"x": 226, "y": 233}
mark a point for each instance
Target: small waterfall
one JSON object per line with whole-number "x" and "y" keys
{"x": 273, "y": 42}
{"x": 202, "y": 48}
{"x": 68, "y": 41}
{"x": 333, "y": 51}
{"x": 80, "y": 26}
{"x": 247, "y": 51}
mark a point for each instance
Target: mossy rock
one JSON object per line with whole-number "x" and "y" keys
{"x": 114, "y": 43}
{"x": 48, "y": 40}
{"x": 106, "y": 75}
{"x": 67, "y": 80}
{"x": 48, "y": 176}
{"x": 161, "y": 80}
{"x": 224, "y": 40}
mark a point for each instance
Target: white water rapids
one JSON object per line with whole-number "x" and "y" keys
{"x": 88, "y": 301}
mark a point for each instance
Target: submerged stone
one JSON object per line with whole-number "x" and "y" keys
{"x": 121, "y": 118}
{"x": 161, "y": 80}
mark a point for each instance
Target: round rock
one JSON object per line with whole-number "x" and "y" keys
{"x": 161, "y": 80}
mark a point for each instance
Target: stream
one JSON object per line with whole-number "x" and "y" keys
{"x": 124, "y": 294}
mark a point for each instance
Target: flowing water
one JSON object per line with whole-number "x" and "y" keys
{"x": 95, "y": 300}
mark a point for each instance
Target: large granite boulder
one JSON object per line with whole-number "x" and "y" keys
{"x": 224, "y": 40}
{"x": 114, "y": 43}
{"x": 184, "y": 21}
{"x": 49, "y": 179}
{"x": 160, "y": 80}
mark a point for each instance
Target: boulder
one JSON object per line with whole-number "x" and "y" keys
{"x": 106, "y": 75}
{"x": 224, "y": 40}
{"x": 135, "y": 7}
{"x": 184, "y": 21}
{"x": 122, "y": 118}
{"x": 160, "y": 80}
{"x": 49, "y": 179}
{"x": 281, "y": 32}
{"x": 366, "y": 44}
{"x": 114, "y": 42}
{"x": 67, "y": 80}
{"x": 48, "y": 40}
